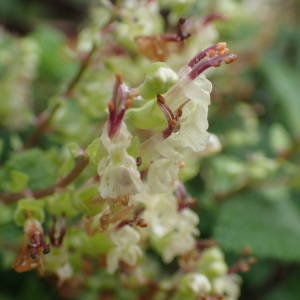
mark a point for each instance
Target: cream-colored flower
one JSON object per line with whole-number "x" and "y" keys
{"x": 118, "y": 170}
{"x": 162, "y": 175}
{"x": 229, "y": 285}
{"x": 193, "y": 122}
{"x": 126, "y": 248}
{"x": 199, "y": 284}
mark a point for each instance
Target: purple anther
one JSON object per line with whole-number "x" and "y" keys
{"x": 196, "y": 59}
{"x": 212, "y": 62}
{"x": 117, "y": 106}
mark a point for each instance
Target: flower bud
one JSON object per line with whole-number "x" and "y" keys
{"x": 159, "y": 79}
{"x": 192, "y": 285}
{"x": 29, "y": 208}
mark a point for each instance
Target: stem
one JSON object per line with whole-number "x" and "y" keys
{"x": 63, "y": 182}
{"x": 44, "y": 118}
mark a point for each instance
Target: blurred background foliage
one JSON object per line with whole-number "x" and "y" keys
{"x": 248, "y": 194}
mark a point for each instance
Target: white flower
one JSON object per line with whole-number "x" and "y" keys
{"x": 162, "y": 175}
{"x": 160, "y": 213}
{"x": 182, "y": 238}
{"x": 126, "y": 248}
{"x": 193, "y": 127}
{"x": 193, "y": 122}
{"x": 213, "y": 146}
{"x": 118, "y": 170}
{"x": 120, "y": 140}
{"x": 199, "y": 284}
{"x": 64, "y": 272}
{"x": 172, "y": 232}
{"x": 229, "y": 285}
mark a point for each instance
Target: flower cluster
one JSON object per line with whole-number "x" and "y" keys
{"x": 132, "y": 199}
{"x": 147, "y": 174}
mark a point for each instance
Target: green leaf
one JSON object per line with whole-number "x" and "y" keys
{"x": 19, "y": 181}
{"x": 284, "y": 83}
{"x": 38, "y": 166}
{"x": 267, "y": 222}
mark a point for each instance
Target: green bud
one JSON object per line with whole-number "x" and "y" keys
{"x": 280, "y": 139}
{"x": 260, "y": 167}
{"x": 212, "y": 254}
{"x": 159, "y": 78}
{"x": 97, "y": 244}
{"x": 212, "y": 263}
{"x": 88, "y": 201}
{"x": 61, "y": 204}
{"x": 29, "y": 208}
{"x": 94, "y": 245}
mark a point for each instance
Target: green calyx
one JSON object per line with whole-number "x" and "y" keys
{"x": 159, "y": 78}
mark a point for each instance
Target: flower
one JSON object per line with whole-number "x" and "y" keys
{"x": 228, "y": 285}
{"x": 199, "y": 284}
{"x": 118, "y": 170}
{"x": 185, "y": 105}
{"x": 172, "y": 232}
{"x": 126, "y": 248}
{"x": 162, "y": 175}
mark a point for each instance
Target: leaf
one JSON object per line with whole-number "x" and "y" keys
{"x": 19, "y": 181}
{"x": 38, "y": 166}
{"x": 284, "y": 83}
{"x": 267, "y": 222}
{"x": 288, "y": 289}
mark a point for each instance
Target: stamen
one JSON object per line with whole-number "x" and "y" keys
{"x": 172, "y": 118}
{"x": 111, "y": 107}
{"x": 117, "y": 106}
{"x": 211, "y": 53}
{"x": 213, "y": 17}
{"x": 57, "y": 232}
{"x": 200, "y": 56}
{"x": 231, "y": 58}
{"x": 128, "y": 103}
{"x": 184, "y": 200}
{"x": 181, "y": 165}
{"x": 224, "y": 51}
{"x": 221, "y": 46}
{"x": 173, "y": 122}
{"x": 212, "y": 62}
{"x": 243, "y": 265}
{"x": 165, "y": 108}
{"x": 215, "y": 55}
